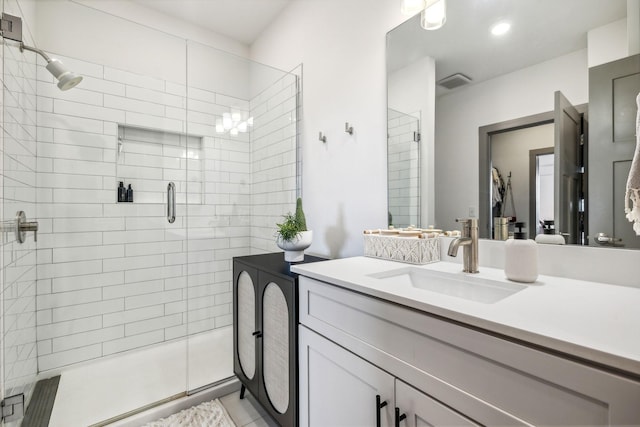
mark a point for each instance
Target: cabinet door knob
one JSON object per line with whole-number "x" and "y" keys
{"x": 399, "y": 417}
{"x": 379, "y": 405}
{"x": 257, "y": 334}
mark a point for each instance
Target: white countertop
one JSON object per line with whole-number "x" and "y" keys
{"x": 594, "y": 321}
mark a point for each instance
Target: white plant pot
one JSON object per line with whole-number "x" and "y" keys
{"x": 294, "y": 248}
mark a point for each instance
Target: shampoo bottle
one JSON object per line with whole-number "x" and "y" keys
{"x": 129, "y": 194}
{"x": 122, "y": 192}
{"x": 521, "y": 257}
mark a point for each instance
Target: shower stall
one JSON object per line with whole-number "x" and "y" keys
{"x": 403, "y": 168}
{"x": 129, "y": 302}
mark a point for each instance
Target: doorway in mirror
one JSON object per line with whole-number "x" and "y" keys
{"x": 541, "y": 178}
{"x": 509, "y": 146}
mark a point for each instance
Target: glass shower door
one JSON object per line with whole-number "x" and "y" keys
{"x": 109, "y": 299}
{"x": 18, "y": 260}
{"x": 240, "y": 184}
{"x": 218, "y": 190}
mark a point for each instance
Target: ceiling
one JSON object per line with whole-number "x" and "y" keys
{"x": 241, "y": 20}
{"x": 541, "y": 30}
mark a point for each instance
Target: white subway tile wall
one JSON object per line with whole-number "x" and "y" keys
{"x": 403, "y": 169}
{"x": 116, "y": 276}
{"x": 18, "y": 191}
{"x": 273, "y": 151}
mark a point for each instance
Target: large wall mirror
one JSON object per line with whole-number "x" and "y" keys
{"x": 536, "y": 124}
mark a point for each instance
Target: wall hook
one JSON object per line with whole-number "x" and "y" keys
{"x": 322, "y": 138}
{"x": 348, "y": 129}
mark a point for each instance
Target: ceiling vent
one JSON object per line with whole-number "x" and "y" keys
{"x": 454, "y": 81}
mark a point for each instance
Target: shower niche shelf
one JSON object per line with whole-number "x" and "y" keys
{"x": 149, "y": 159}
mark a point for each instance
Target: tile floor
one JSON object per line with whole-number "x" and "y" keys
{"x": 246, "y": 412}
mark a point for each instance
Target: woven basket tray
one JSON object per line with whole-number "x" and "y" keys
{"x": 403, "y": 249}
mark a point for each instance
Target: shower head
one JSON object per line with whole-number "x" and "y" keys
{"x": 66, "y": 79}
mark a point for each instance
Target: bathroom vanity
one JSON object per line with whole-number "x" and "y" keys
{"x": 384, "y": 343}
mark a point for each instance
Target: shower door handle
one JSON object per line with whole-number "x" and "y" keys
{"x": 171, "y": 202}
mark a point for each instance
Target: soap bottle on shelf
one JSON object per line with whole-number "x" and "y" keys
{"x": 129, "y": 194}
{"x": 548, "y": 235}
{"x": 521, "y": 257}
{"x": 122, "y": 192}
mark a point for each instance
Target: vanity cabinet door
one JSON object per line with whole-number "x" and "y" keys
{"x": 278, "y": 384}
{"x": 338, "y": 388}
{"x": 422, "y": 411}
{"x": 245, "y": 321}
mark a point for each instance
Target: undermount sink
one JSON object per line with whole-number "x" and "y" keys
{"x": 459, "y": 285}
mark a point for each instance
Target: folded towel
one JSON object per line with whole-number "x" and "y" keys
{"x": 633, "y": 182}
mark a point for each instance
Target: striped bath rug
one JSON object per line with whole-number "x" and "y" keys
{"x": 207, "y": 414}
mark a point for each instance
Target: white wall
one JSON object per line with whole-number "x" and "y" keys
{"x": 616, "y": 40}
{"x": 633, "y": 26}
{"x": 459, "y": 115}
{"x": 607, "y": 43}
{"x": 342, "y": 46}
{"x": 164, "y": 23}
{"x": 123, "y": 35}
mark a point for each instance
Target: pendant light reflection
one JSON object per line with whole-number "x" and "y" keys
{"x": 227, "y": 123}
{"x": 500, "y": 29}
{"x": 234, "y": 123}
{"x": 434, "y": 15}
{"x": 411, "y": 7}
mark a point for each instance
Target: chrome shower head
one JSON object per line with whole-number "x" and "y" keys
{"x": 66, "y": 79}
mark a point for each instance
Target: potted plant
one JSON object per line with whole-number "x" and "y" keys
{"x": 292, "y": 235}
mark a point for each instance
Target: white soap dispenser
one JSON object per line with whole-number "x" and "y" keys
{"x": 521, "y": 257}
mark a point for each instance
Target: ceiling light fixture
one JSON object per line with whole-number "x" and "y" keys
{"x": 434, "y": 15}
{"x": 500, "y": 28}
{"x": 411, "y": 7}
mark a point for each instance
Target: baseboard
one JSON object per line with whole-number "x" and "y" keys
{"x": 163, "y": 410}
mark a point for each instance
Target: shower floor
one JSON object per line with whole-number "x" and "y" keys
{"x": 95, "y": 392}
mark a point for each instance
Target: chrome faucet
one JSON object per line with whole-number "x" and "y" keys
{"x": 469, "y": 241}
